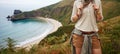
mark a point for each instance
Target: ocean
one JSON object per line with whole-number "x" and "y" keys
{"x": 21, "y": 30}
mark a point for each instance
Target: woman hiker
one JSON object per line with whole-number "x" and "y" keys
{"x": 84, "y": 37}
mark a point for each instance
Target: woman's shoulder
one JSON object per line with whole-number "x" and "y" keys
{"x": 79, "y": 0}
{"x": 97, "y": 1}
{"x": 78, "y": 3}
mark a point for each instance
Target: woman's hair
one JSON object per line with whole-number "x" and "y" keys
{"x": 86, "y": 2}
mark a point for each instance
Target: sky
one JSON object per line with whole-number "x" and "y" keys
{"x": 27, "y": 3}
{"x": 7, "y": 7}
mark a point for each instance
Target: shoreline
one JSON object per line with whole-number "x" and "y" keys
{"x": 34, "y": 41}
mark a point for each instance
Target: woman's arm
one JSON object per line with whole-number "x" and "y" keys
{"x": 98, "y": 12}
{"x": 101, "y": 11}
{"x": 76, "y": 11}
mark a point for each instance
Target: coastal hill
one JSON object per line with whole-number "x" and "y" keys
{"x": 58, "y": 11}
{"x": 58, "y": 42}
{"x": 62, "y": 11}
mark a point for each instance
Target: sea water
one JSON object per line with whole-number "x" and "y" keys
{"x": 20, "y": 30}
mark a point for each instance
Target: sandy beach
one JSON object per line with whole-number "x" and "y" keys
{"x": 34, "y": 41}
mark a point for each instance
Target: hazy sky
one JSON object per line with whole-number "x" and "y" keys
{"x": 30, "y": 2}
{"x": 27, "y": 3}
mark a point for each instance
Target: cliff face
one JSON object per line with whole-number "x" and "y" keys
{"x": 62, "y": 11}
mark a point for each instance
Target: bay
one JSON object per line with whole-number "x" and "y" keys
{"x": 21, "y": 30}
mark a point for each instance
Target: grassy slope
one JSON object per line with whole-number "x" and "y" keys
{"x": 109, "y": 34}
{"x": 111, "y": 8}
{"x": 110, "y": 38}
{"x": 58, "y": 42}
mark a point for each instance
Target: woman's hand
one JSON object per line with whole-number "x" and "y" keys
{"x": 97, "y": 12}
{"x": 95, "y": 7}
{"x": 75, "y": 18}
{"x": 99, "y": 18}
{"x": 79, "y": 12}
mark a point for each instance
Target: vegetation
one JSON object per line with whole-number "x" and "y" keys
{"x": 10, "y": 47}
{"x": 58, "y": 42}
{"x": 60, "y": 36}
{"x": 111, "y": 36}
{"x": 62, "y": 11}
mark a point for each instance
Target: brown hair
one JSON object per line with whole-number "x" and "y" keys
{"x": 86, "y": 2}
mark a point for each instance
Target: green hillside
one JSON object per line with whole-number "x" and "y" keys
{"x": 62, "y": 11}
{"x": 111, "y": 8}
{"x": 58, "y": 42}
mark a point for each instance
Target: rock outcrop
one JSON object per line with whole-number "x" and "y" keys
{"x": 17, "y": 12}
{"x": 13, "y": 18}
